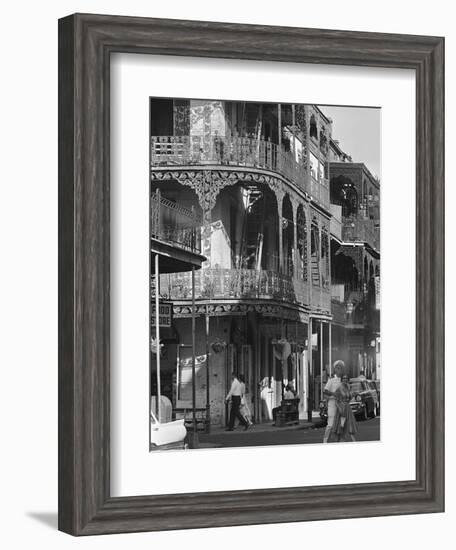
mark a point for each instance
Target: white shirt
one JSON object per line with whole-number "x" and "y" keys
{"x": 331, "y": 385}
{"x": 236, "y": 389}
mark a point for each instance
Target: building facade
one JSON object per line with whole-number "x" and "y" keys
{"x": 355, "y": 264}
{"x": 258, "y": 177}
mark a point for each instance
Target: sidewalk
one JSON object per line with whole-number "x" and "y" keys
{"x": 264, "y": 434}
{"x": 265, "y": 427}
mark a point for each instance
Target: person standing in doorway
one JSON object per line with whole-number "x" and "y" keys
{"x": 235, "y": 395}
{"x": 332, "y": 385}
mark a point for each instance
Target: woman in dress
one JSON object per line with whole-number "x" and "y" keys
{"x": 344, "y": 420}
{"x": 244, "y": 409}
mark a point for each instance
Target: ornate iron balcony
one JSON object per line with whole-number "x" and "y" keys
{"x": 238, "y": 284}
{"x": 236, "y": 151}
{"x": 174, "y": 224}
{"x": 357, "y": 229}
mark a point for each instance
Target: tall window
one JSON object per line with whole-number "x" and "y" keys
{"x": 315, "y": 253}
{"x": 323, "y": 141}
{"x": 325, "y": 257}
{"x": 313, "y": 127}
{"x": 302, "y": 242}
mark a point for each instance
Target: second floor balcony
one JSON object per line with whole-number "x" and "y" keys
{"x": 233, "y": 151}
{"x": 240, "y": 284}
{"x": 174, "y": 224}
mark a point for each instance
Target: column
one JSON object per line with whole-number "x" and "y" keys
{"x": 157, "y": 336}
{"x": 307, "y": 141}
{"x": 320, "y": 267}
{"x": 309, "y": 388}
{"x": 279, "y": 124}
{"x": 279, "y": 196}
{"x": 194, "y": 434}
{"x": 319, "y": 162}
{"x": 330, "y": 348}
{"x": 329, "y": 260}
{"x": 256, "y": 402}
{"x": 208, "y": 402}
{"x": 321, "y": 359}
{"x": 308, "y": 255}
{"x": 294, "y": 205}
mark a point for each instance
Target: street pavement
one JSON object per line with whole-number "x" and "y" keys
{"x": 369, "y": 430}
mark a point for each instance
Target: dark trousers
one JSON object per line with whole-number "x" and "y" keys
{"x": 235, "y": 413}
{"x": 275, "y": 410}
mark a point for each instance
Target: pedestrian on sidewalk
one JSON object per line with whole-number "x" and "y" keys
{"x": 244, "y": 409}
{"x": 235, "y": 394}
{"x": 331, "y": 387}
{"x": 344, "y": 420}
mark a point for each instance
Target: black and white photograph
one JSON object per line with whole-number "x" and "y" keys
{"x": 227, "y": 254}
{"x": 264, "y": 274}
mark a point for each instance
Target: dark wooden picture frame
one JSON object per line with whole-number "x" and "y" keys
{"x": 85, "y": 45}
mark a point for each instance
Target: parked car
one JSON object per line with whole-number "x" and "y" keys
{"x": 364, "y": 403}
{"x": 376, "y": 387}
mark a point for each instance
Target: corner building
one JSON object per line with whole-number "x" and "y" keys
{"x": 257, "y": 175}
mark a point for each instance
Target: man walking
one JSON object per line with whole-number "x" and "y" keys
{"x": 235, "y": 394}
{"x": 330, "y": 392}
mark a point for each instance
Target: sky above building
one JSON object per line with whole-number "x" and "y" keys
{"x": 358, "y": 132}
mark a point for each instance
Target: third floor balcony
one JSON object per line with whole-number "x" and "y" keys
{"x": 232, "y": 151}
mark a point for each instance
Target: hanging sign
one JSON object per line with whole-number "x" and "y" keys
{"x": 165, "y": 314}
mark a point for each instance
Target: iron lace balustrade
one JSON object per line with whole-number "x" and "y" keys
{"x": 235, "y": 151}
{"x": 230, "y": 283}
{"x": 174, "y": 224}
{"x": 338, "y": 312}
{"x": 357, "y": 229}
{"x": 239, "y": 284}
{"x": 321, "y": 298}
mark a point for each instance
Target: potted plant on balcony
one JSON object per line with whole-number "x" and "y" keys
{"x": 218, "y": 345}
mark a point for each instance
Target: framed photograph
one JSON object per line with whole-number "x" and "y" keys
{"x": 251, "y": 261}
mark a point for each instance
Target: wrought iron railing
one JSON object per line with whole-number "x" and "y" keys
{"x": 338, "y": 311}
{"x": 321, "y": 298}
{"x": 174, "y": 224}
{"x": 243, "y": 284}
{"x": 236, "y": 151}
{"x": 335, "y": 223}
{"x": 357, "y": 229}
